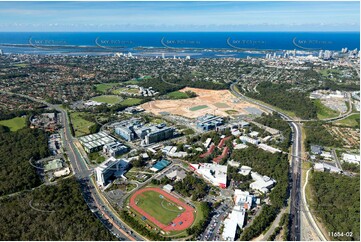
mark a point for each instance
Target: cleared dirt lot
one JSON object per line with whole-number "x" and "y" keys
{"x": 216, "y": 102}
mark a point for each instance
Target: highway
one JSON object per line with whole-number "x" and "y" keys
{"x": 82, "y": 172}
{"x": 295, "y": 166}
{"x": 296, "y": 195}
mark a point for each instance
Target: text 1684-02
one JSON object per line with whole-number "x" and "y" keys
{"x": 340, "y": 234}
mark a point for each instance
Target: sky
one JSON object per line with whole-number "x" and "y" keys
{"x": 179, "y": 16}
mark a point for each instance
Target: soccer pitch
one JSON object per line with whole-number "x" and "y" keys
{"x": 110, "y": 99}
{"x": 196, "y": 108}
{"x": 159, "y": 207}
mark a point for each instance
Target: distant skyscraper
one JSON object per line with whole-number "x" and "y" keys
{"x": 294, "y": 52}
{"x": 1, "y": 51}
{"x": 327, "y": 55}
{"x": 320, "y": 54}
{"x": 163, "y": 56}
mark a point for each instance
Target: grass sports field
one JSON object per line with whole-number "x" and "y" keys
{"x": 80, "y": 125}
{"x": 14, "y": 124}
{"x": 126, "y": 90}
{"x": 110, "y": 99}
{"x": 156, "y": 205}
{"x": 104, "y": 86}
{"x": 221, "y": 105}
{"x": 196, "y": 108}
{"x": 160, "y": 208}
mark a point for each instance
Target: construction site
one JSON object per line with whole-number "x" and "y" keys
{"x": 207, "y": 101}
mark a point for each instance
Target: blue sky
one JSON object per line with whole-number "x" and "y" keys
{"x": 179, "y": 16}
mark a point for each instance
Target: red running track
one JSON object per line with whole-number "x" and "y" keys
{"x": 187, "y": 217}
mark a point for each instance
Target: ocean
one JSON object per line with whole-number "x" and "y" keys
{"x": 179, "y": 44}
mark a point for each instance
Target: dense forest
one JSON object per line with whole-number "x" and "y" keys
{"x": 317, "y": 134}
{"x": 294, "y": 101}
{"x": 192, "y": 186}
{"x": 272, "y": 165}
{"x": 16, "y": 172}
{"x": 164, "y": 87}
{"x": 334, "y": 86}
{"x": 56, "y": 212}
{"x": 275, "y": 121}
{"x": 140, "y": 227}
{"x": 337, "y": 202}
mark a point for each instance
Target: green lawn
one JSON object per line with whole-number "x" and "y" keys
{"x": 96, "y": 157}
{"x": 132, "y": 82}
{"x": 14, "y": 124}
{"x": 127, "y": 90}
{"x": 110, "y": 99}
{"x": 104, "y": 86}
{"x": 326, "y": 72}
{"x": 352, "y": 121}
{"x": 161, "y": 209}
{"x": 177, "y": 95}
{"x": 80, "y": 125}
{"x": 196, "y": 108}
{"x": 199, "y": 215}
{"x": 21, "y": 65}
{"x": 323, "y": 111}
{"x": 221, "y": 105}
{"x": 131, "y": 101}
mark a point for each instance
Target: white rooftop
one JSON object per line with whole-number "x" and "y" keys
{"x": 235, "y": 219}
{"x": 351, "y": 158}
{"x": 245, "y": 170}
{"x": 214, "y": 173}
{"x": 261, "y": 183}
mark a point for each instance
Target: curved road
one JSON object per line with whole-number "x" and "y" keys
{"x": 92, "y": 196}
{"x": 295, "y": 166}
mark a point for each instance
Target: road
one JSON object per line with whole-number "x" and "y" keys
{"x": 335, "y": 157}
{"x": 339, "y": 117}
{"x": 91, "y": 195}
{"x": 275, "y": 224}
{"x": 296, "y": 191}
{"x": 211, "y": 233}
{"x": 310, "y": 218}
{"x": 295, "y": 198}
